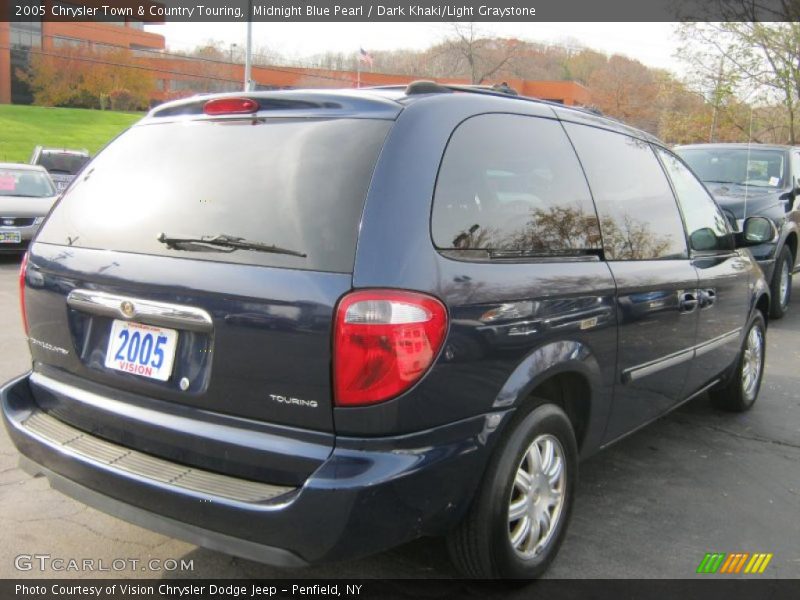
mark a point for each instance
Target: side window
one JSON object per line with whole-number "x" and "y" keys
{"x": 704, "y": 220}
{"x": 638, "y": 214}
{"x": 511, "y": 186}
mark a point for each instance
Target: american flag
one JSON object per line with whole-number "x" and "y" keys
{"x": 364, "y": 56}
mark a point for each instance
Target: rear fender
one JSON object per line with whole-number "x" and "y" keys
{"x": 566, "y": 356}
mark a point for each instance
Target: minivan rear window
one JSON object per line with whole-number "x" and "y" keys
{"x": 62, "y": 162}
{"x": 297, "y": 184}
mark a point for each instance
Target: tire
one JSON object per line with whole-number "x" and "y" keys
{"x": 740, "y": 393}
{"x": 481, "y": 546}
{"x": 781, "y": 284}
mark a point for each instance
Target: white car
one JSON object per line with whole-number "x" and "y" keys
{"x": 26, "y": 194}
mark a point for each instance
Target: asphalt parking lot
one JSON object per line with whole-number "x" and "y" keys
{"x": 696, "y": 481}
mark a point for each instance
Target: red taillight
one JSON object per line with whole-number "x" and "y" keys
{"x": 384, "y": 341}
{"x": 23, "y": 267}
{"x": 230, "y": 106}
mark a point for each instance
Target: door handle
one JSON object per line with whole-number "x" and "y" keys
{"x": 707, "y": 297}
{"x": 688, "y": 302}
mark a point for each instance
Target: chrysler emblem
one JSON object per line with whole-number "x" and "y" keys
{"x": 127, "y": 308}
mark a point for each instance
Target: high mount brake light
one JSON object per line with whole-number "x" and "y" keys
{"x": 384, "y": 342}
{"x": 23, "y": 268}
{"x": 230, "y": 106}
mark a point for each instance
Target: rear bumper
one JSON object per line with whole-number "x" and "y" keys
{"x": 369, "y": 495}
{"x": 161, "y": 524}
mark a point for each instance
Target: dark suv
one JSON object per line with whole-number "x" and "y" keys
{"x": 320, "y": 324}
{"x": 757, "y": 179}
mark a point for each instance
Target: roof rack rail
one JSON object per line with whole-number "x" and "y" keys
{"x": 424, "y": 86}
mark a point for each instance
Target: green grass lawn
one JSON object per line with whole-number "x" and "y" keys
{"x": 23, "y": 127}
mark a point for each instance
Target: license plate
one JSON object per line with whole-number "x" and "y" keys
{"x": 141, "y": 349}
{"x": 10, "y": 237}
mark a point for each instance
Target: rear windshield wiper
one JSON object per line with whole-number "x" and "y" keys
{"x": 228, "y": 242}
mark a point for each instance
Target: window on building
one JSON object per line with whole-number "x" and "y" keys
{"x": 63, "y": 42}
{"x": 178, "y": 85}
{"x": 26, "y": 34}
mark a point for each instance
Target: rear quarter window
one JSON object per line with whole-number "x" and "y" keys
{"x": 511, "y": 186}
{"x": 298, "y": 184}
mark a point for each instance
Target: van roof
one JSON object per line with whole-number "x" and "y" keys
{"x": 384, "y": 102}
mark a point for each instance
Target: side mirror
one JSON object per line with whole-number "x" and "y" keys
{"x": 788, "y": 199}
{"x": 755, "y": 231}
{"x": 703, "y": 239}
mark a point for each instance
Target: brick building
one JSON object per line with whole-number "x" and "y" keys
{"x": 18, "y": 40}
{"x": 177, "y": 76}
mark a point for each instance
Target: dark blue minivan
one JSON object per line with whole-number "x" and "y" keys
{"x": 319, "y": 324}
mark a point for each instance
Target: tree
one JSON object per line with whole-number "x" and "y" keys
{"x": 481, "y": 57}
{"x": 628, "y": 90}
{"x": 750, "y": 60}
{"x": 89, "y": 78}
{"x": 580, "y": 66}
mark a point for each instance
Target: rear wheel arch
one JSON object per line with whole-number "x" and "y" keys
{"x": 571, "y": 391}
{"x": 565, "y": 373}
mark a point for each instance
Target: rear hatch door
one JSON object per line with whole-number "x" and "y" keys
{"x": 196, "y": 263}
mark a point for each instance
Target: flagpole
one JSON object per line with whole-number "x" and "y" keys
{"x": 248, "y": 56}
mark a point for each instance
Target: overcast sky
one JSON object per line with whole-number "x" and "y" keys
{"x": 654, "y": 44}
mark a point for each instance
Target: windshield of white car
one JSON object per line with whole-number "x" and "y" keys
{"x": 26, "y": 184}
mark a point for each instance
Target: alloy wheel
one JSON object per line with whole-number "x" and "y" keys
{"x": 784, "y": 285}
{"x": 753, "y": 359}
{"x": 537, "y": 496}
